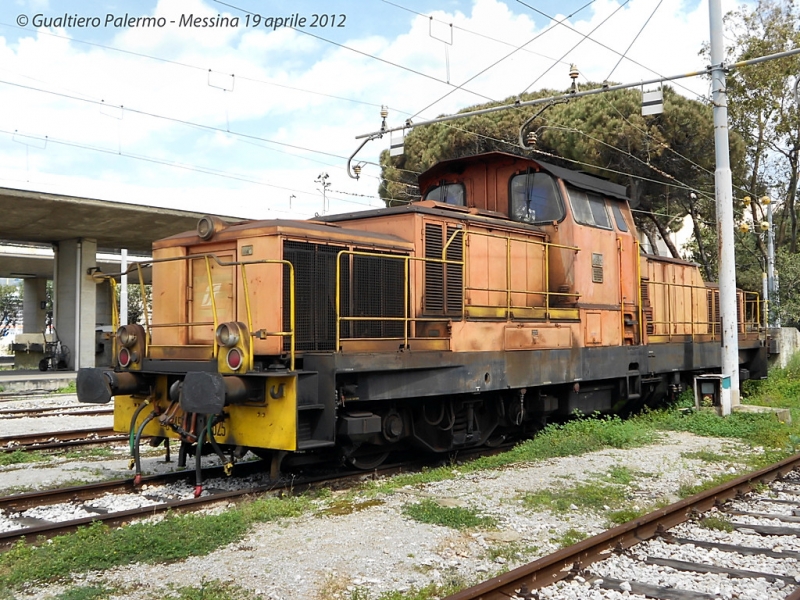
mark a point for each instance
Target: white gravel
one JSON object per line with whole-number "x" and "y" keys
{"x": 376, "y": 548}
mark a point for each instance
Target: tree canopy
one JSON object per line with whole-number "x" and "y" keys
{"x": 667, "y": 160}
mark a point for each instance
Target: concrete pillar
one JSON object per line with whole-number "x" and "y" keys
{"x": 76, "y": 300}
{"x": 104, "y": 322}
{"x": 34, "y": 305}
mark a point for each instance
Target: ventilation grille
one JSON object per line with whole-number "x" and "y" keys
{"x": 444, "y": 284}
{"x": 647, "y": 308}
{"x": 315, "y": 295}
{"x": 597, "y": 268}
{"x": 714, "y": 319}
{"x": 375, "y": 291}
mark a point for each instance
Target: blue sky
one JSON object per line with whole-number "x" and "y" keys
{"x": 241, "y": 119}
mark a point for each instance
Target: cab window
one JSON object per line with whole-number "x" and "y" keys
{"x": 535, "y": 199}
{"x": 619, "y": 219}
{"x": 449, "y": 193}
{"x": 589, "y": 209}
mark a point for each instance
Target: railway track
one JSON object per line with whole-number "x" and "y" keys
{"x": 102, "y": 501}
{"x": 60, "y": 439}
{"x": 647, "y": 555}
{"x": 49, "y": 411}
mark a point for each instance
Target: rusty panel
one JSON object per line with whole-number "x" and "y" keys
{"x": 223, "y": 282}
{"x": 527, "y": 273}
{"x": 169, "y": 297}
{"x": 534, "y": 337}
{"x": 264, "y": 289}
{"x": 593, "y": 332}
{"x": 678, "y": 297}
{"x": 486, "y": 257}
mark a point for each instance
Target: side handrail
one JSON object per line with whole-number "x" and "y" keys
{"x": 207, "y": 258}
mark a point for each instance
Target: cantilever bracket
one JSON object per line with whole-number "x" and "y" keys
{"x": 357, "y": 174}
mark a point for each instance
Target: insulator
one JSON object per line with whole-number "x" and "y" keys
{"x": 357, "y": 170}
{"x": 384, "y": 112}
{"x": 764, "y": 226}
{"x": 531, "y": 138}
{"x": 744, "y": 228}
{"x": 573, "y": 71}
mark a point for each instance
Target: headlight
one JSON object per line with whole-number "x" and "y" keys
{"x": 126, "y": 336}
{"x": 227, "y": 334}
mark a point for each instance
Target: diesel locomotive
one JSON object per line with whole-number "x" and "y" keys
{"x": 513, "y": 292}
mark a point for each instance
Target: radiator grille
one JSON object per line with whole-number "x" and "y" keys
{"x": 375, "y": 290}
{"x": 315, "y": 295}
{"x": 443, "y": 283}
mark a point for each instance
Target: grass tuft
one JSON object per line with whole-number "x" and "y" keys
{"x": 717, "y": 523}
{"x": 456, "y": 517}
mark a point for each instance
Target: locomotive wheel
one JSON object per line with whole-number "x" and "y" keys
{"x": 367, "y": 462}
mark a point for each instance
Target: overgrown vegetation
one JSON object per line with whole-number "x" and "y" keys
{"x": 18, "y": 457}
{"x": 607, "y": 494}
{"x": 174, "y": 538}
{"x": 457, "y": 517}
{"x": 178, "y": 537}
{"x": 718, "y": 523}
{"x": 209, "y": 590}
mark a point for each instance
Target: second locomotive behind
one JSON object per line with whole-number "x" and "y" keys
{"x": 514, "y": 291}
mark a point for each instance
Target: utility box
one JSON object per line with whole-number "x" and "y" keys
{"x": 708, "y": 392}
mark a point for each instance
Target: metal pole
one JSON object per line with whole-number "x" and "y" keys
{"x": 123, "y": 288}
{"x": 772, "y": 283}
{"x": 724, "y": 195}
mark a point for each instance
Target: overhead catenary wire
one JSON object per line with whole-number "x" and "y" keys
{"x": 501, "y": 59}
{"x": 362, "y": 53}
{"x": 633, "y": 41}
{"x": 191, "y": 66}
{"x": 583, "y": 39}
{"x": 606, "y": 47}
{"x": 465, "y": 30}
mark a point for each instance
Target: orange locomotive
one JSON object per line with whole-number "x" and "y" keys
{"x": 514, "y": 291}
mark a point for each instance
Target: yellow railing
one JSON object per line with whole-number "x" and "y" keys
{"x": 704, "y": 299}
{"x": 508, "y": 290}
{"x": 406, "y": 319}
{"x": 207, "y": 258}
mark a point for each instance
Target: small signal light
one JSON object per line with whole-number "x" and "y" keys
{"x": 234, "y": 359}
{"x": 124, "y": 357}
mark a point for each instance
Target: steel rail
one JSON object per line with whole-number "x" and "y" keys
{"x": 557, "y": 566}
{"x": 20, "y": 502}
{"x": 59, "y": 439}
{"x": 69, "y": 411}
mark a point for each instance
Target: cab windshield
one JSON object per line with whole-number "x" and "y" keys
{"x": 535, "y": 199}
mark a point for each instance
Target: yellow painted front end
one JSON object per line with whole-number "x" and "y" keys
{"x": 270, "y": 425}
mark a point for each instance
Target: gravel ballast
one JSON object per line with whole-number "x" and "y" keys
{"x": 376, "y": 548}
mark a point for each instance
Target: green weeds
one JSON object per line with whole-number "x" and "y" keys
{"x": 175, "y": 538}
{"x": 90, "y": 592}
{"x": 18, "y": 457}
{"x": 209, "y": 590}
{"x": 457, "y": 517}
{"x": 569, "y": 538}
{"x": 717, "y": 523}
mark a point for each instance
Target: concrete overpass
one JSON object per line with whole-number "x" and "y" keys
{"x": 57, "y": 237}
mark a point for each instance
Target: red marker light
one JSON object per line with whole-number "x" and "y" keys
{"x": 234, "y": 359}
